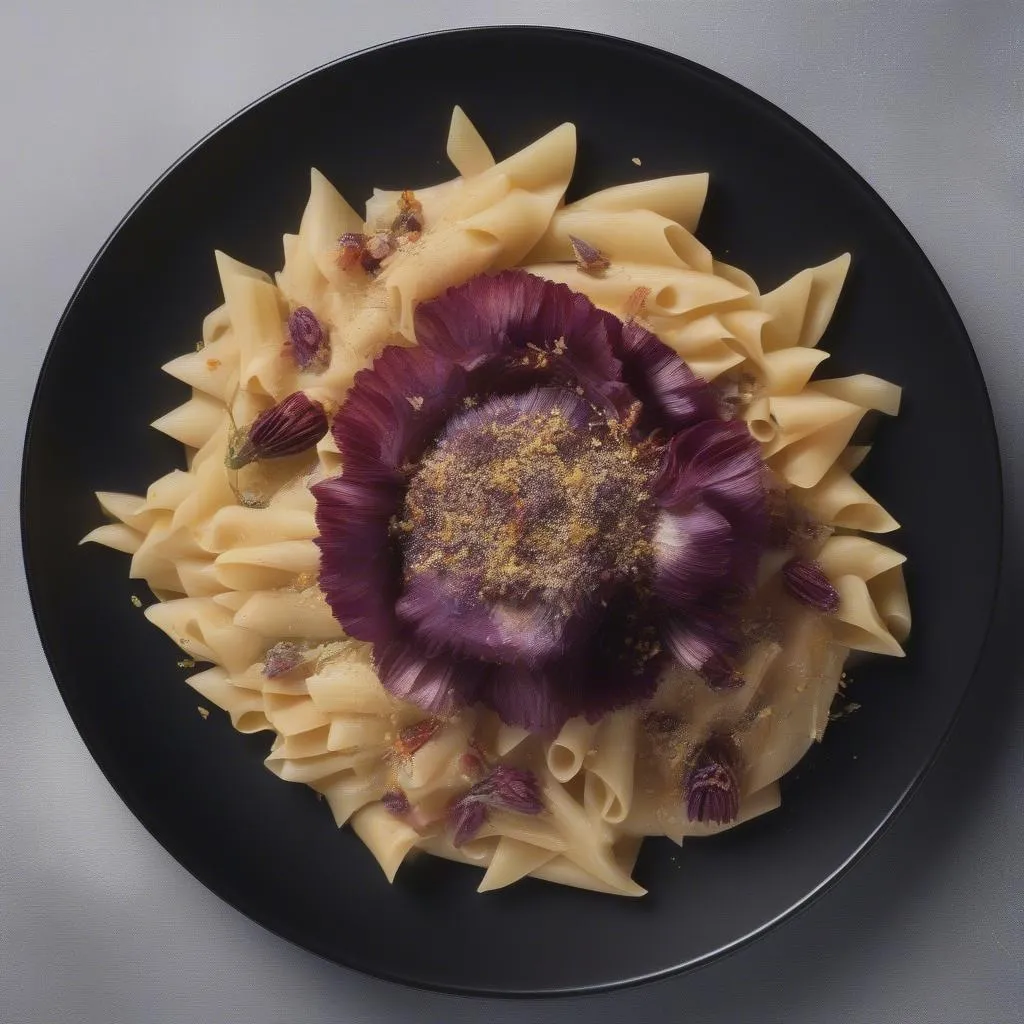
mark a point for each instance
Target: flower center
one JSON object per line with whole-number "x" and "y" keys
{"x": 533, "y": 507}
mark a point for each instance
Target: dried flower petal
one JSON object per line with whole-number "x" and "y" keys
{"x": 807, "y": 582}
{"x": 465, "y": 818}
{"x": 413, "y": 737}
{"x": 636, "y": 304}
{"x": 351, "y": 250}
{"x": 711, "y": 787}
{"x": 588, "y": 258}
{"x": 282, "y": 658}
{"x": 396, "y": 803}
{"x": 509, "y": 789}
{"x": 290, "y": 427}
{"x": 309, "y": 343}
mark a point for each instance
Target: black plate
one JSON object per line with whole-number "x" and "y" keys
{"x": 780, "y": 200}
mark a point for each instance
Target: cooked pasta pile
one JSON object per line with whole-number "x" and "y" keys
{"x": 230, "y": 554}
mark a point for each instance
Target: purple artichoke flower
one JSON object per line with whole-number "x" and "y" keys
{"x": 540, "y": 505}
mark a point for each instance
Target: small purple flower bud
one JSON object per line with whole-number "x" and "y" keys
{"x": 807, "y": 582}
{"x": 711, "y": 787}
{"x": 309, "y": 342}
{"x": 290, "y": 427}
{"x": 396, "y": 803}
{"x": 588, "y": 258}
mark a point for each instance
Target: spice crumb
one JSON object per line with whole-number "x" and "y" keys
{"x": 137, "y": 601}
{"x": 636, "y": 160}
{"x": 186, "y": 663}
{"x": 204, "y": 713}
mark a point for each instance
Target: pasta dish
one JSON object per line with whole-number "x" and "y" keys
{"x": 527, "y": 528}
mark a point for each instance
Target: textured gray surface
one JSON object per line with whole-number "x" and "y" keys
{"x": 97, "y": 923}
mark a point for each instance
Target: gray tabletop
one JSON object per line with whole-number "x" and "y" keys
{"x": 97, "y": 923}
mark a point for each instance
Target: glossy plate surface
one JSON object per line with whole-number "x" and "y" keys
{"x": 779, "y": 201}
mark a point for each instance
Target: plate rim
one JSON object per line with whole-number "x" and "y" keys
{"x": 856, "y": 181}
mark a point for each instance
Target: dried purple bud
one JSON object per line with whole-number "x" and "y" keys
{"x": 465, "y": 818}
{"x": 290, "y": 427}
{"x": 711, "y": 787}
{"x": 508, "y": 789}
{"x": 588, "y": 258}
{"x": 807, "y": 582}
{"x": 396, "y": 803}
{"x": 351, "y": 249}
{"x": 309, "y": 342}
{"x": 282, "y": 658}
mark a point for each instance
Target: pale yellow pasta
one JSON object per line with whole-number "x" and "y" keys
{"x": 864, "y": 390}
{"x": 387, "y": 838}
{"x": 608, "y": 790}
{"x": 788, "y": 370}
{"x": 115, "y": 535}
{"x": 673, "y": 290}
{"x": 350, "y": 791}
{"x": 348, "y": 687}
{"x": 244, "y": 707}
{"x": 351, "y": 731}
{"x": 256, "y": 317}
{"x": 212, "y": 369}
{"x": 290, "y": 715}
{"x": 465, "y": 148}
{"x": 231, "y": 554}
{"x": 513, "y": 860}
{"x": 679, "y": 198}
{"x": 568, "y": 749}
{"x": 638, "y": 236}
{"x": 235, "y": 526}
{"x": 267, "y": 566}
{"x": 838, "y": 500}
{"x": 289, "y": 614}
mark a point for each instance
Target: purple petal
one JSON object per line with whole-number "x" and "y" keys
{"x": 807, "y": 582}
{"x": 532, "y": 699}
{"x": 360, "y": 569}
{"x": 693, "y": 553}
{"x": 717, "y": 462}
{"x": 444, "y": 618}
{"x": 703, "y": 641}
{"x": 436, "y": 684}
{"x": 509, "y": 789}
{"x": 711, "y": 787}
{"x": 673, "y": 396}
{"x": 395, "y": 408}
{"x": 466, "y": 818}
{"x": 515, "y": 316}
{"x": 593, "y": 679}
